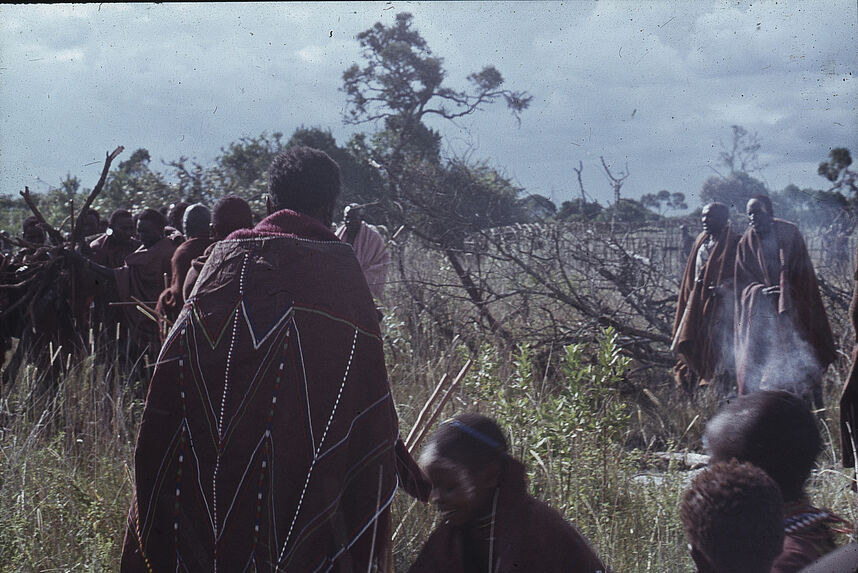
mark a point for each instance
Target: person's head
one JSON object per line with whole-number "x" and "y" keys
{"x": 352, "y": 217}
{"x": 733, "y": 516}
{"x": 230, "y": 213}
{"x": 760, "y": 212}
{"x": 150, "y": 227}
{"x": 305, "y": 180}
{"x": 196, "y": 221}
{"x": 464, "y": 460}
{"x": 88, "y": 222}
{"x": 175, "y": 215}
{"x": 121, "y": 225}
{"x": 772, "y": 429}
{"x": 714, "y": 217}
{"x": 32, "y": 231}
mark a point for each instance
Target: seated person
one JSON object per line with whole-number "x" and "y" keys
{"x": 490, "y": 523}
{"x": 777, "y": 432}
{"x": 733, "y": 519}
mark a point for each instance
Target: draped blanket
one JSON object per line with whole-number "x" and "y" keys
{"x": 142, "y": 277}
{"x": 528, "y": 536}
{"x": 786, "y": 341}
{"x": 703, "y": 326}
{"x": 373, "y": 256}
{"x": 268, "y": 437}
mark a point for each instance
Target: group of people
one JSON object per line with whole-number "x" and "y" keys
{"x": 750, "y": 314}
{"x": 270, "y": 442}
{"x": 269, "y": 439}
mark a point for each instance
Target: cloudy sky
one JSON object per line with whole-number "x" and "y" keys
{"x": 653, "y": 87}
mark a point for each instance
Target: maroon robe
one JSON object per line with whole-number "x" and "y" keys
{"x": 780, "y": 342}
{"x": 808, "y": 537}
{"x": 849, "y": 397}
{"x": 269, "y": 436}
{"x": 171, "y": 300}
{"x": 107, "y": 252}
{"x": 703, "y": 326}
{"x": 528, "y": 536}
{"x": 142, "y": 278}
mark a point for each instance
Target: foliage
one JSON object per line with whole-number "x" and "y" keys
{"x": 664, "y": 201}
{"x": 734, "y": 190}
{"x": 627, "y": 211}
{"x": 579, "y": 210}
{"x": 809, "y": 207}
{"x": 401, "y": 85}
{"x": 837, "y": 171}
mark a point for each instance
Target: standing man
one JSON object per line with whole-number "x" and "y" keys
{"x": 269, "y": 440}
{"x": 703, "y": 327}
{"x": 783, "y": 339}
{"x": 111, "y": 248}
{"x": 370, "y": 247}
{"x": 196, "y": 224}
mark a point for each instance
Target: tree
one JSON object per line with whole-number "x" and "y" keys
{"x": 837, "y": 171}
{"x": 664, "y": 201}
{"x": 134, "y": 185}
{"x": 742, "y": 155}
{"x": 401, "y": 85}
{"x": 734, "y": 191}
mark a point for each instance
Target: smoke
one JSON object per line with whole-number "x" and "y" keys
{"x": 790, "y": 364}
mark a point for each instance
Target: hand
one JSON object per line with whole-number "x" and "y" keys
{"x": 772, "y": 290}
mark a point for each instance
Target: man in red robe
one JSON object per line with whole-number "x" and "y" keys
{"x": 229, "y": 214}
{"x": 782, "y": 336}
{"x": 269, "y": 439}
{"x": 111, "y": 248}
{"x": 196, "y": 223}
{"x": 703, "y": 327}
{"x": 142, "y": 279}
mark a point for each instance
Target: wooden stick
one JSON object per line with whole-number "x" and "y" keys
{"x": 52, "y": 233}
{"x": 447, "y": 395}
{"x": 418, "y": 423}
{"x": 98, "y": 186}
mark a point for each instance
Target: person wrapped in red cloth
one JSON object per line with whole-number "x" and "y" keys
{"x": 490, "y": 523}
{"x": 269, "y": 439}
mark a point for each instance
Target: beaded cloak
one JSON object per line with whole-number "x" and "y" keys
{"x": 267, "y": 440}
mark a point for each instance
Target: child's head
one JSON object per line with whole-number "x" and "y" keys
{"x": 733, "y": 517}
{"x": 464, "y": 459}
{"x": 772, "y": 429}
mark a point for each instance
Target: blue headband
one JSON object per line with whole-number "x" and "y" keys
{"x": 474, "y": 433}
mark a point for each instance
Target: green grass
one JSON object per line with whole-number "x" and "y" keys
{"x": 66, "y": 462}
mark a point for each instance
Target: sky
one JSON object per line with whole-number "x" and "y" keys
{"x": 651, "y": 87}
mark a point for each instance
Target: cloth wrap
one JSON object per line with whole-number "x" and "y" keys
{"x": 269, "y": 437}
{"x": 703, "y": 325}
{"x": 785, "y": 336}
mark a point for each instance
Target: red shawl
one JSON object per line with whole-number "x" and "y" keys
{"x": 142, "y": 278}
{"x": 787, "y": 343}
{"x": 107, "y": 252}
{"x": 529, "y": 536}
{"x": 269, "y": 434}
{"x": 703, "y": 326}
{"x": 171, "y": 300}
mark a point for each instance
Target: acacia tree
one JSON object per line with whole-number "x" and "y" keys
{"x": 401, "y": 85}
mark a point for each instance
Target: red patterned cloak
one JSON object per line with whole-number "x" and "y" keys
{"x": 269, "y": 437}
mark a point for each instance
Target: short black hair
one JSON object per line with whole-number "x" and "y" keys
{"x": 119, "y": 214}
{"x": 716, "y": 207}
{"x": 196, "y": 221}
{"x": 304, "y": 179}
{"x": 471, "y": 440}
{"x": 766, "y": 201}
{"x": 773, "y": 429}
{"x": 733, "y": 514}
{"x": 152, "y": 216}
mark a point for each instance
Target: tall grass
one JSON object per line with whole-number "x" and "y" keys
{"x": 588, "y": 439}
